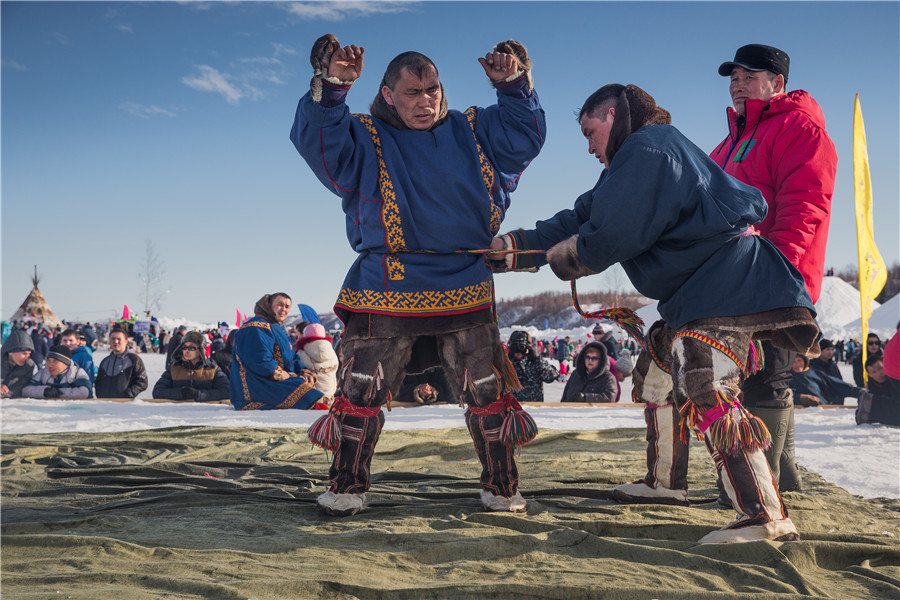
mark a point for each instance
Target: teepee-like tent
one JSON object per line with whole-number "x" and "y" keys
{"x": 36, "y": 307}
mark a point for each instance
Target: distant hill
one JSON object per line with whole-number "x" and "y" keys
{"x": 555, "y": 309}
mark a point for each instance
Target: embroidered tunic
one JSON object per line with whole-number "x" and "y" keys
{"x": 260, "y": 348}
{"x": 414, "y": 199}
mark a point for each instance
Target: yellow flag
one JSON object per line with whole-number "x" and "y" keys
{"x": 872, "y": 272}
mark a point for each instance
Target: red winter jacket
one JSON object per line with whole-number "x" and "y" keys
{"x": 784, "y": 151}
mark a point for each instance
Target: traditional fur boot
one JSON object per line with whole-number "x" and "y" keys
{"x": 349, "y": 472}
{"x": 667, "y": 462}
{"x": 499, "y": 474}
{"x": 750, "y": 486}
{"x": 667, "y": 448}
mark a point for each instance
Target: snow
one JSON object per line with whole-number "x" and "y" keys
{"x": 864, "y": 460}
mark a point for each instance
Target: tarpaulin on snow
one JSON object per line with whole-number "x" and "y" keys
{"x": 204, "y": 512}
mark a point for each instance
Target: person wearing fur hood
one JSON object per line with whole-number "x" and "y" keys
{"x": 694, "y": 249}
{"x": 316, "y": 350}
{"x": 591, "y": 379}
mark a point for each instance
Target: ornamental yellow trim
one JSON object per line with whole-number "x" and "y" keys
{"x": 390, "y": 211}
{"x": 425, "y": 302}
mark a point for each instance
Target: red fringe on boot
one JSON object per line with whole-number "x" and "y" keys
{"x": 518, "y": 426}
{"x": 326, "y": 432}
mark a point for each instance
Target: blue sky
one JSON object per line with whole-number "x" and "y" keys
{"x": 123, "y": 122}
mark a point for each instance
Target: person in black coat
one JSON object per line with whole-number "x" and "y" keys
{"x": 591, "y": 380}
{"x": 825, "y": 363}
{"x": 122, "y": 374}
{"x": 192, "y": 377}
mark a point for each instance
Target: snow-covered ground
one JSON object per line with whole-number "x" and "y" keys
{"x": 864, "y": 460}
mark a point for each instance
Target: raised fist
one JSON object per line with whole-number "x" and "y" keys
{"x": 518, "y": 50}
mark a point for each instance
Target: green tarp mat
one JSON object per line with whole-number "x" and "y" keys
{"x": 203, "y": 512}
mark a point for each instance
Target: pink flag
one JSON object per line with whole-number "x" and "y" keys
{"x": 125, "y": 312}
{"x": 237, "y": 318}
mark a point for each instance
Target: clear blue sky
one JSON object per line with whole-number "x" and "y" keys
{"x": 170, "y": 121}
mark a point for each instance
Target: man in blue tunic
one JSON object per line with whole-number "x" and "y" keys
{"x": 720, "y": 288}
{"x": 420, "y": 185}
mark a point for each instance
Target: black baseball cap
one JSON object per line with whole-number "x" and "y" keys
{"x": 758, "y": 57}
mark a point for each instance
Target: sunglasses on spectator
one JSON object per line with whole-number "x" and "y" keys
{"x": 190, "y": 348}
{"x": 591, "y": 358}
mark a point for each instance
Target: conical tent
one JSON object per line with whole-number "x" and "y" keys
{"x": 36, "y": 306}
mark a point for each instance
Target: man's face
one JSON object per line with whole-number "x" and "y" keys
{"x": 281, "y": 306}
{"x": 117, "y": 343}
{"x": 70, "y": 342}
{"x": 19, "y": 358}
{"x": 416, "y": 99}
{"x": 827, "y": 353}
{"x": 56, "y": 366}
{"x": 596, "y": 131}
{"x": 753, "y": 85}
{"x": 876, "y": 372}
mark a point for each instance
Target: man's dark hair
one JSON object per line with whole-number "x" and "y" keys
{"x": 874, "y": 358}
{"x": 602, "y": 98}
{"x": 416, "y": 62}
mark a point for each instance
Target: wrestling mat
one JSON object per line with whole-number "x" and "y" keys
{"x": 203, "y": 512}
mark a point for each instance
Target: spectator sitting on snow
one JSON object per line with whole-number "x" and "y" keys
{"x": 17, "y": 366}
{"x": 192, "y": 377}
{"x": 591, "y": 380}
{"x": 825, "y": 363}
{"x": 59, "y": 378}
{"x": 533, "y": 371}
{"x": 266, "y": 373}
{"x": 81, "y": 356}
{"x": 811, "y": 388}
{"x": 121, "y": 374}
{"x": 883, "y": 406}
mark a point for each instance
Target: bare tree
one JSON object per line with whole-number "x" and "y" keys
{"x": 615, "y": 279}
{"x": 151, "y": 275}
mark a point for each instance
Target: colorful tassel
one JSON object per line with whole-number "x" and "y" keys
{"x": 728, "y": 425}
{"x": 625, "y": 318}
{"x": 326, "y": 432}
{"x": 518, "y": 428}
{"x": 756, "y": 361}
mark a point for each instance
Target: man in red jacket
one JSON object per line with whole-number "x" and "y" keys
{"x": 777, "y": 143}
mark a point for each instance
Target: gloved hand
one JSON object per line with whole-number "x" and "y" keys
{"x": 518, "y": 50}
{"x": 564, "y": 261}
{"x": 189, "y": 393}
{"x": 51, "y": 392}
{"x": 503, "y": 263}
{"x": 319, "y": 57}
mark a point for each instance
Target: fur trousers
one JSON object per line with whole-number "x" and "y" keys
{"x": 373, "y": 369}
